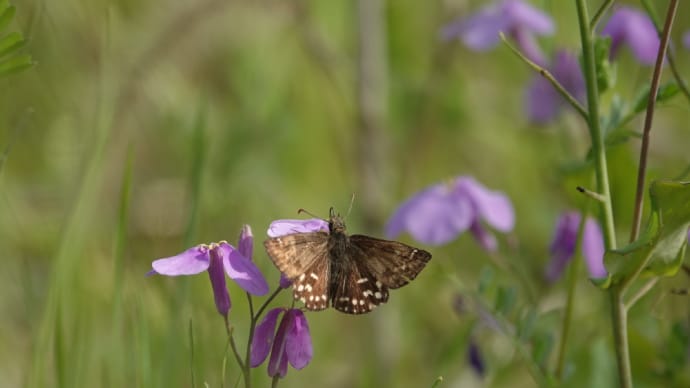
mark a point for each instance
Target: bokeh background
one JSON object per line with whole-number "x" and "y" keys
{"x": 147, "y": 127}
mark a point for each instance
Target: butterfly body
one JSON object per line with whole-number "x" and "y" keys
{"x": 351, "y": 273}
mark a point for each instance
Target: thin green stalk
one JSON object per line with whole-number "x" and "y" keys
{"x": 549, "y": 77}
{"x": 619, "y": 314}
{"x": 600, "y": 12}
{"x": 598, "y": 148}
{"x": 191, "y": 352}
{"x": 274, "y": 382}
{"x": 238, "y": 358}
{"x": 649, "y": 117}
{"x": 573, "y": 276}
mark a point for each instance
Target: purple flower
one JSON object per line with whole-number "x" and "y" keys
{"x": 441, "y": 212}
{"x": 630, "y": 26}
{"x": 515, "y": 18}
{"x": 564, "y": 244}
{"x": 475, "y": 359}
{"x": 544, "y": 103}
{"x": 217, "y": 258}
{"x": 283, "y": 227}
{"x": 290, "y": 343}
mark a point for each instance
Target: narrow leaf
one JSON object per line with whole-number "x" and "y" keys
{"x": 660, "y": 250}
{"x": 11, "y": 42}
{"x": 15, "y": 64}
{"x": 6, "y": 15}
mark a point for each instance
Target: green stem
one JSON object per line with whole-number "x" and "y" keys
{"x": 549, "y": 77}
{"x": 618, "y": 311}
{"x": 238, "y": 358}
{"x": 649, "y": 117}
{"x": 600, "y": 12}
{"x": 598, "y": 149}
{"x": 619, "y": 314}
{"x": 573, "y": 275}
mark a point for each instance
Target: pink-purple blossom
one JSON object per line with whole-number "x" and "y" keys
{"x": 218, "y": 259}
{"x": 282, "y": 227}
{"x": 440, "y": 213}
{"x": 515, "y": 18}
{"x": 563, "y": 246}
{"x": 629, "y": 26}
{"x": 290, "y": 343}
{"x": 543, "y": 102}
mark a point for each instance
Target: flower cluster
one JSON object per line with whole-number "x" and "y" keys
{"x": 291, "y": 343}
{"x": 441, "y": 212}
{"x": 218, "y": 259}
{"x": 521, "y": 23}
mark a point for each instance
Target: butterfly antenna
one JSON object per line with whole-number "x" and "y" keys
{"x": 300, "y": 211}
{"x": 349, "y": 209}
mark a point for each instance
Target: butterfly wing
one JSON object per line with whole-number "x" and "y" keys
{"x": 303, "y": 258}
{"x": 393, "y": 263}
{"x": 355, "y": 289}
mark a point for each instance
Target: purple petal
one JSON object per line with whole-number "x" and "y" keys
{"x": 484, "y": 237}
{"x": 283, "y": 227}
{"x": 474, "y": 358}
{"x": 277, "y": 364}
{"x": 493, "y": 206}
{"x": 480, "y": 31}
{"x": 243, "y": 271}
{"x": 523, "y": 15}
{"x": 263, "y": 337}
{"x": 284, "y": 281}
{"x": 217, "y": 277}
{"x": 563, "y": 245}
{"x": 433, "y": 216}
{"x": 190, "y": 262}
{"x": 298, "y": 347}
{"x": 593, "y": 249}
{"x": 542, "y": 102}
{"x": 246, "y": 242}
{"x": 630, "y": 26}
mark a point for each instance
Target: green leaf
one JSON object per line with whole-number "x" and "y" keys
{"x": 660, "y": 250}
{"x": 606, "y": 73}
{"x": 15, "y": 64}
{"x": 666, "y": 92}
{"x": 11, "y": 42}
{"x": 505, "y": 299}
{"x": 486, "y": 277}
{"x": 6, "y": 15}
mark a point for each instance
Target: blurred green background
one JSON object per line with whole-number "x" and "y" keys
{"x": 148, "y": 127}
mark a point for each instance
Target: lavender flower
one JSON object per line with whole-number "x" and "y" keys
{"x": 634, "y": 28}
{"x": 515, "y": 18}
{"x": 216, "y": 258}
{"x": 475, "y": 359}
{"x": 290, "y": 343}
{"x": 564, "y": 244}
{"x": 441, "y": 212}
{"x": 544, "y": 103}
{"x": 283, "y": 227}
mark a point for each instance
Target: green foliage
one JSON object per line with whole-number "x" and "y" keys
{"x": 660, "y": 250}
{"x": 10, "y": 44}
{"x": 606, "y": 72}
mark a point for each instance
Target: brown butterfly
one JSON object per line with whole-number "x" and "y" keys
{"x": 351, "y": 273}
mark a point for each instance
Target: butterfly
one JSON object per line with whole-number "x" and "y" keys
{"x": 351, "y": 273}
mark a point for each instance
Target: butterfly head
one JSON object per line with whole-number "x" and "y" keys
{"x": 335, "y": 222}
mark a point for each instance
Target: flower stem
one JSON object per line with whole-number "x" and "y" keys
{"x": 653, "y": 90}
{"x": 573, "y": 276}
{"x": 546, "y": 74}
{"x": 598, "y": 148}
{"x": 274, "y": 382}
{"x": 618, "y": 311}
{"x": 600, "y": 12}
{"x": 263, "y": 307}
{"x": 619, "y": 314}
{"x": 231, "y": 339}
